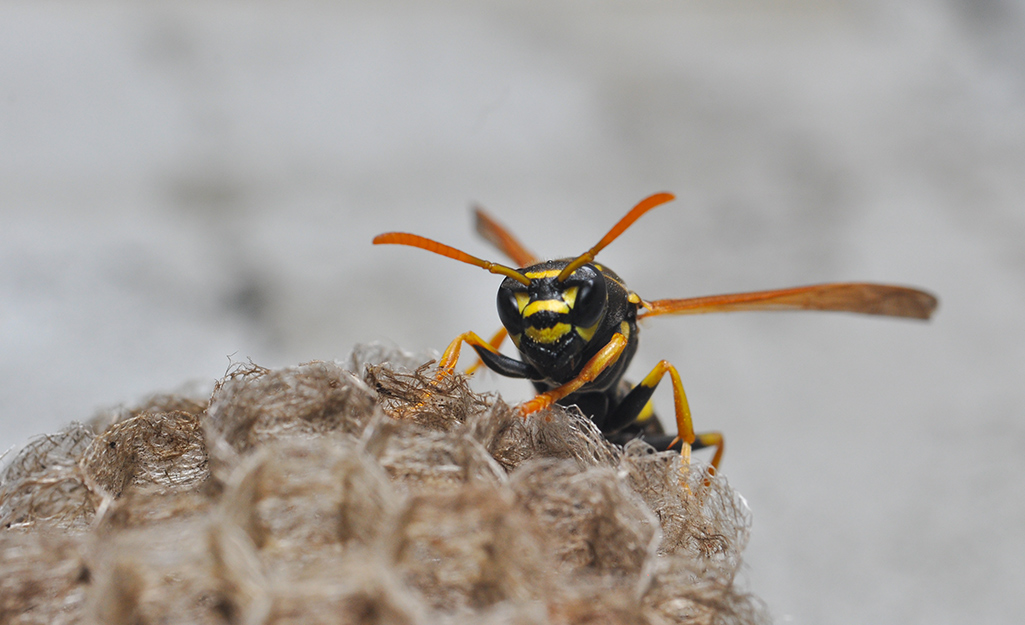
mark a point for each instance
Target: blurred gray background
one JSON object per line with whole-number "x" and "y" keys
{"x": 188, "y": 183}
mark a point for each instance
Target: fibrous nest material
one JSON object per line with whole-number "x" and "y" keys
{"x": 368, "y": 493}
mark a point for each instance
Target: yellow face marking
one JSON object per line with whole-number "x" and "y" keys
{"x": 522, "y": 299}
{"x": 536, "y": 275}
{"x": 554, "y": 305}
{"x": 588, "y": 333}
{"x": 570, "y": 296}
{"x": 548, "y": 335}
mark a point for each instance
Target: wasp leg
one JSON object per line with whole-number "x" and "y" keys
{"x": 667, "y": 442}
{"x": 495, "y": 343}
{"x": 633, "y": 405}
{"x": 494, "y": 359}
{"x": 711, "y": 439}
{"x": 598, "y": 363}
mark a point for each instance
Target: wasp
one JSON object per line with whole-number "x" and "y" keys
{"x": 574, "y": 323}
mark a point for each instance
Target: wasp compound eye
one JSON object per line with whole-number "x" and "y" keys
{"x": 591, "y": 301}
{"x": 509, "y": 309}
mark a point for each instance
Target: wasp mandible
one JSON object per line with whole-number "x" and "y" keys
{"x": 574, "y": 322}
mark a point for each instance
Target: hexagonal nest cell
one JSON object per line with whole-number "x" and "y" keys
{"x": 365, "y": 492}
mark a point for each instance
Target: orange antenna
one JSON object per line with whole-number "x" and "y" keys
{"x": 635, "y": 213}
{"x": 414, "y": 240}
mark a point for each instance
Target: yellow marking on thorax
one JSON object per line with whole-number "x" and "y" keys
{"x": 548, "y": 335}
{"x": 553, "y": 305}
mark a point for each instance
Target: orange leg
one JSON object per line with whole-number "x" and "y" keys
{"x": 450, "y": 358}
{"x": 684, "y": 423}
{"x": 712, "y": 439}
{"x": 598, "y": 363}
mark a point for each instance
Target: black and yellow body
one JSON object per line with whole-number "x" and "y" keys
{"x": 558, "y": 327}
{"x": 574, "y": 323}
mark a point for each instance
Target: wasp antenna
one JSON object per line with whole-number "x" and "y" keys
{"x": 415, "y": 240}
{"x": 635, "y": 213}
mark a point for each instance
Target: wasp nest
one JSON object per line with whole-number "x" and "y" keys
{"x": 361, "y": 493}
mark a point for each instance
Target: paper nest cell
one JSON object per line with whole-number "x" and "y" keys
{"x": 365, "y": 492}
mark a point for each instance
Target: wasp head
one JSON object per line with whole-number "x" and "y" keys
{"x": 552, "y": 321}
